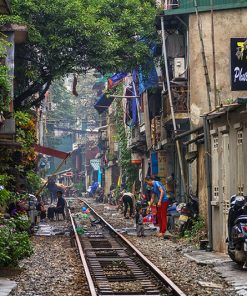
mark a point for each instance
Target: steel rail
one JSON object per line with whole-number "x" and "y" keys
{"x": 83, "y": 259}
{"x": 154, "y": 268}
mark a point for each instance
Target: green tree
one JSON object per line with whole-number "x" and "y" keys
{"x": 72, "y": 36}
{"x": 129, "y": 170}
{"x": 4, "y": 76}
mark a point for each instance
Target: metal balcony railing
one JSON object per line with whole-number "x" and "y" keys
{"x": 179, "y": 99}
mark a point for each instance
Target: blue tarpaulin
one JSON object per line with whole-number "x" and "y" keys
{"x": 115, "y": 79}
{"x": 149, "y": 79}
{"x": 99, "y": 177}
{"x": 103, "y": 103}
{"x": 154, "y": 163}
{"x": 134, "y": 111}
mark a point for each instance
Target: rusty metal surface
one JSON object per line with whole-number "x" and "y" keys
{"x": 110, "y": 258}
{"x": 83, "y": 259}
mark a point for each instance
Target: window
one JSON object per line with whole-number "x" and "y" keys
{"x": 240, "y": 164}
{"x": 215, "y": 166}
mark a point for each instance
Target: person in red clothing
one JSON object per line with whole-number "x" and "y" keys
{"x": 160, "y": 197}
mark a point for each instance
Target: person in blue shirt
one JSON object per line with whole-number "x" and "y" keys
{"x": 159, "y": 197}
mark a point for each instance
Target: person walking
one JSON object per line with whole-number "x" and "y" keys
{"x": 128, "y": 201}
{"x": 52, "y": 187}
{"x": 159, "y": 197}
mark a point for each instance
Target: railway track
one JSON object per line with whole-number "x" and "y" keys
{"x": 113, "y": 266}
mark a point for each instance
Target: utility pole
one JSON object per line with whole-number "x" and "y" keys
{"x": 204, "y": 61}
{"x": 171, "y": 104}
{"x": 216, "y": 103}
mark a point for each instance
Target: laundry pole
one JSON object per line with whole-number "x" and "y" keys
{"x": 171, "y": 104}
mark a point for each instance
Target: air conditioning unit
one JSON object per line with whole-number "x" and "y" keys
{"x": 8, "y": 127}
{"x": 179, "y": 68}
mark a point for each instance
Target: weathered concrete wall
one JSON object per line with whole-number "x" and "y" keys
{"x": 202, "y": 184}
{"x": 108, "y": 180}
{"x": 230, "y": 171}
{"x": 227, "y": 24}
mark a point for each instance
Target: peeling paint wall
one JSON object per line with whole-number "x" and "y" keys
{"x": 202, "y": 184}
{"x": 230, "y": 170}
{"x": 227, "y": 24}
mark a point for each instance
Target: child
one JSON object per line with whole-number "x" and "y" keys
{"x": 139, "y": 222}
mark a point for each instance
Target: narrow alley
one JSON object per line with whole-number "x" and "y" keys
{"x": 123, "y": 135}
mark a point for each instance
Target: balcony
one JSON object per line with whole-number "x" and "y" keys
{"x": 179, "y": 100}
{"x": 136, "y": 140}
{"x": 187, "y": 6}
{"x": 7, "y": 133}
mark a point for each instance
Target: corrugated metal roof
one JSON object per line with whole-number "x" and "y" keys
{"x": 187, "y": 6}
{"x": 223, "y": 110}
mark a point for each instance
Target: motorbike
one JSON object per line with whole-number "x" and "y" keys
{"x": 99, "y": 195}
{"x": 173, "y": 216}
{"x": 237, "y": 230}
{"x": 188, "y": 213}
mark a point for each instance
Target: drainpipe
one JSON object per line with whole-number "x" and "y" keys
{"x": 171, "y": 104}
{"x": 209, "y": 181}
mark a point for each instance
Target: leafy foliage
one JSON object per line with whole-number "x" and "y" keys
{"x": 33, "y": 182}
{"x": 4, "y": 76}
{"x": 129, "y": 170}
{"x": 14, "y": 240}
{"x": 63, "y": 108}
{"x": 5, "y": 194}
{"x": 15, "y": 164}
{"x": 197, "y": 232}
{"x": 5, "y": 179}
{"x": 73, "y": 36}
{"x": 25, "y": 135}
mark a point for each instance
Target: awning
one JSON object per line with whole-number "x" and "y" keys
{"x": 51, "y": 152}
{"x": 115, "y": 79}
{"x": 103, "y": 103}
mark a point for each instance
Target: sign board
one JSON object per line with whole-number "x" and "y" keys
{"x": 95, "y": 163}
{"x": 75, "y": 146}
{"x": 162, "y": 163}
{"x": 238, "y": 64}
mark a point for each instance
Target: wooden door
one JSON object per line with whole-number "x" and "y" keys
{"x": 225, "y": 187}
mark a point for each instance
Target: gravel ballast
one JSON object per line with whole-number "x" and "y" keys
{"x": 168, "y": 256}
{"x": 53, "y": 269}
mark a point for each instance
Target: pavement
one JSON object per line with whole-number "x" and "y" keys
{"x": 6, "y": 286}
{"x": 232, "y": 273}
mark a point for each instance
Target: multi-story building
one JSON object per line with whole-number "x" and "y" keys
{"x": 12, "y": 34}
{"x": 214, "y": 64}
{"x": 188, "y": 118}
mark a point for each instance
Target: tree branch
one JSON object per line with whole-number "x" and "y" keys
{"x": 34, "y": 88}
{"x": 37, "y": 102}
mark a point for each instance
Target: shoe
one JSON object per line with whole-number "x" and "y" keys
{"x": 167, "y": 233}
{"x": 160, "y": 234}
{"x": 143, "y": 235}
